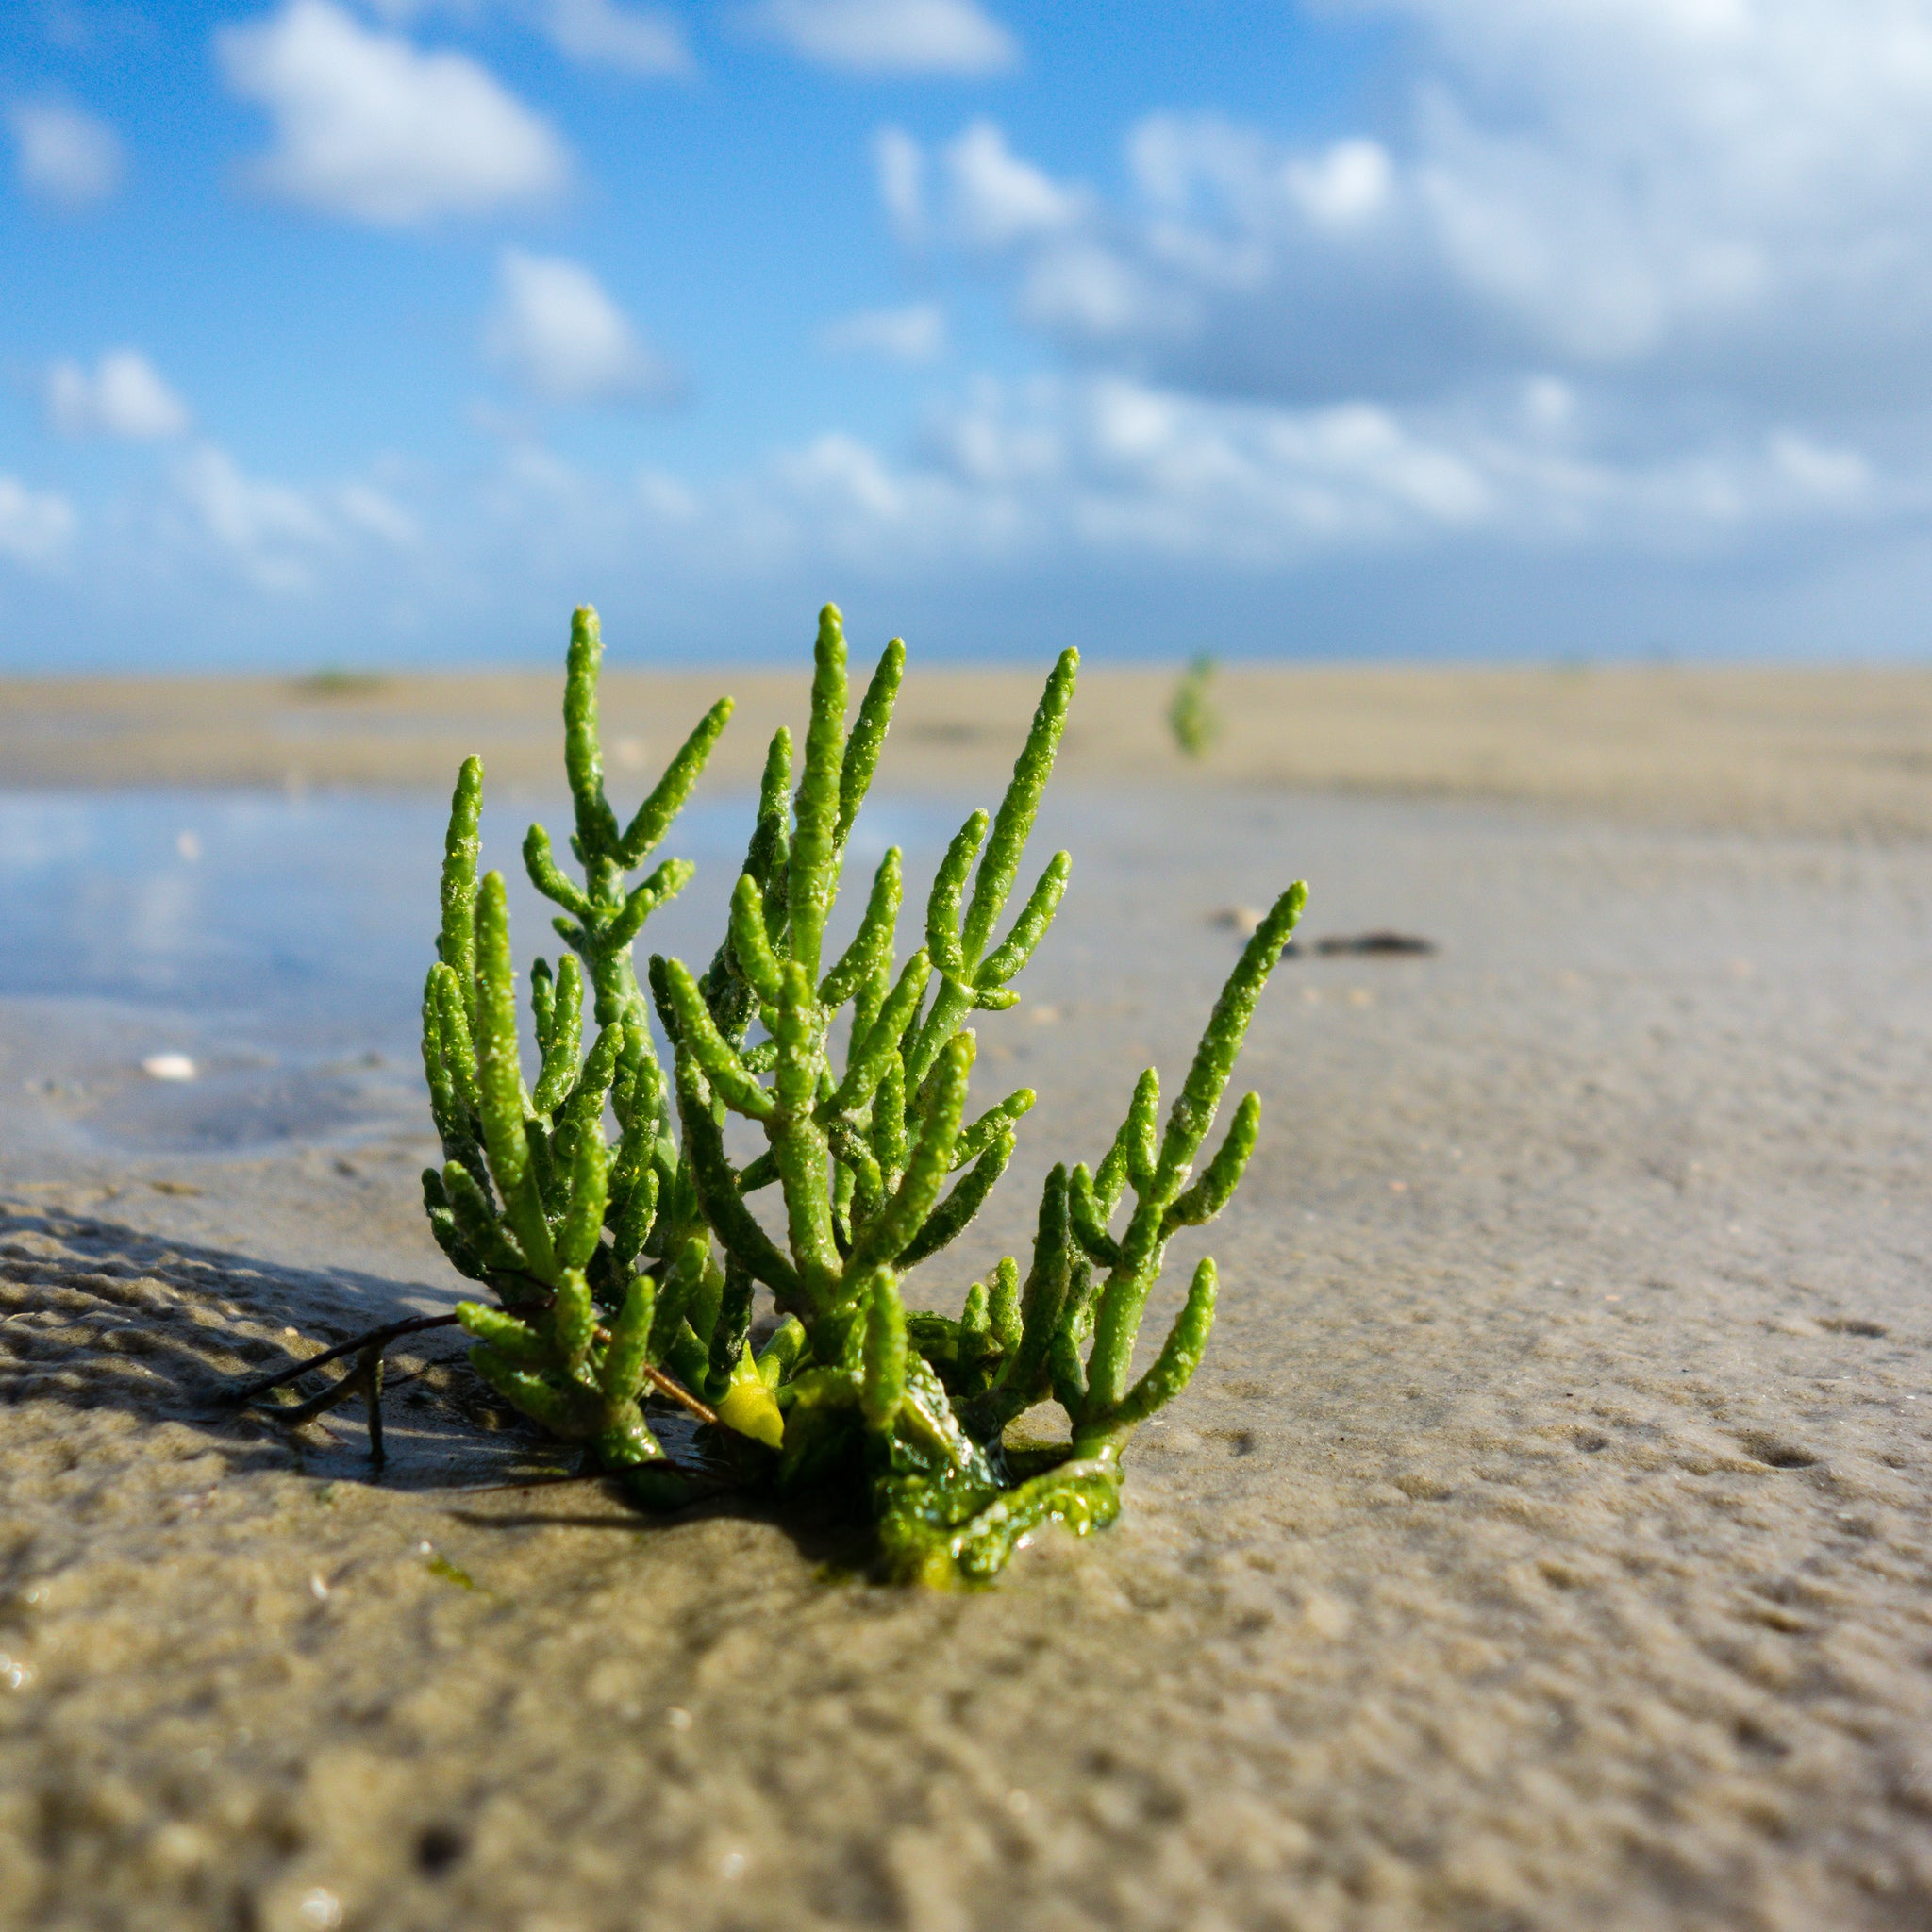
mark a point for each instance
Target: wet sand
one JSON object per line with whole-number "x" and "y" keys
{"x": 1544, "y": 1542}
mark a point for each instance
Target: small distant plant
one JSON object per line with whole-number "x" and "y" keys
{"x": 334, "y": 681}
{"x": 623, "y": 1269}
{"x": 1190, "y": 713}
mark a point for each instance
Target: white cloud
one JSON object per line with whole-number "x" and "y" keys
{"x": 65, "y": 157}
{"x": 1087, "y": 289}
{"x": 1665, "y": 175}
{"x": 1238, "y": 264}
{"x": 1349, "y": 183}
{"x": 274, "y": 535}
{"x": 913, "y": 334}
{"x": 642, "y": 40}
{"x": 999, "y": 200}
{"x": 1111, "y": 465}
{"x": 602, "y": 34}
{"x": 124, "y": 397}
{"x": 1099, "y": 495}
{"x": 892, "y": 36}
{"x": 1708, "y": 201}
{"x": 1817, "y": 470}
{"x": 555, "y": 330}
{"x": 36, "y": 526}
{"x": 1549, "y": 404}
{"x": 368, "y": 128}
{"x": 269, "y": 530}
{"x": 370, "y": 509}
{"x": 1084, "y": 477}
{"x": 900, "y": 162}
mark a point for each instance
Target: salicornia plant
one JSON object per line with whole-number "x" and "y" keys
{"x": 1190, "y": 713}
{"x": 624, "y": 1267}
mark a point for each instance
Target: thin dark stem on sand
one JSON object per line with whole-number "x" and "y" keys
{"x": 374, "y": 1337}
{"x": 379, "y": 1339}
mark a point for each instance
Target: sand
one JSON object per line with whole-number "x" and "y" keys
{"x": 1804, "y": 751}
{"x": 1544, "y": 1542}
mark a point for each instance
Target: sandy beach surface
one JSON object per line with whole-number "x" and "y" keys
{"x": 1546, "y": 1541}
{"x": 1796, "y": 750}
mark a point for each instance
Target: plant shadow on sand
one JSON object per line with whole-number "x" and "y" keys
{"x": 97, "y": 1314}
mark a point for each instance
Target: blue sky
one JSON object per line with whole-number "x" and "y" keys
{"x": 382, "y": 331}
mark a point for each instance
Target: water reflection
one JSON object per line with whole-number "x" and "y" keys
{"x": 277, "y": 940}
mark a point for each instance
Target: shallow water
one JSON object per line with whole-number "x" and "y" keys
{"x": 253, "y": 910}
{"x": 281, "y": 942}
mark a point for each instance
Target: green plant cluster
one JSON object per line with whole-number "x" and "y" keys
{"x": 1192, "y": 715}
{"x": 625, "y": 1267}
